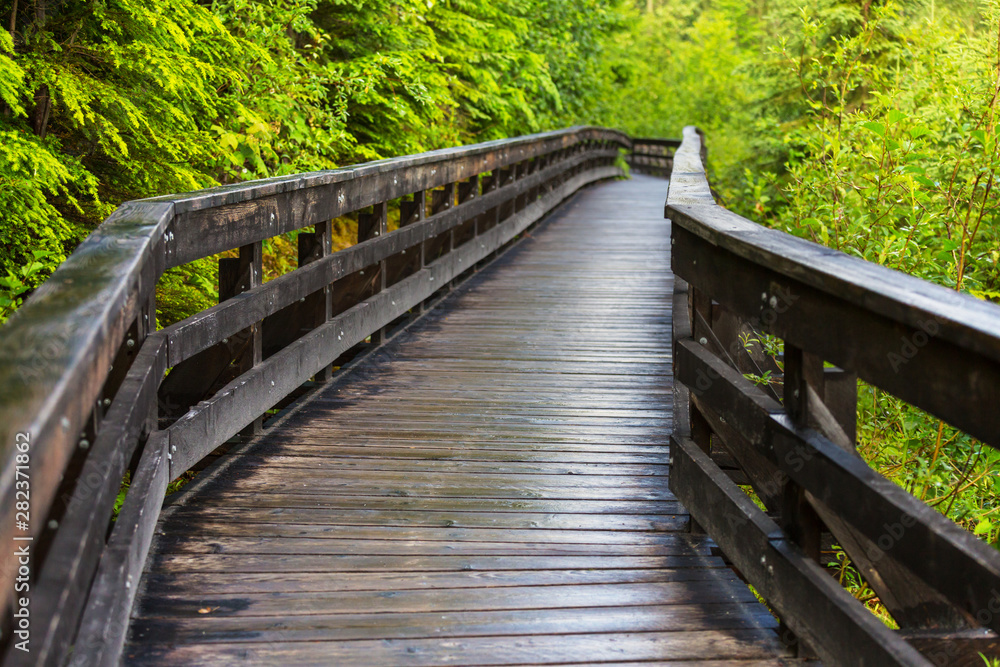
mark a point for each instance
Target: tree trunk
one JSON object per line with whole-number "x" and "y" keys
{"x": 43, "y": 101}
{"x": 13, "y": 19}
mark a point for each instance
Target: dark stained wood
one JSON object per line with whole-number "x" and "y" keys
{"x": 840, "y": 630}
{"x": 503, "y": 456}
{"x": 662, "y": 647}
{"x": 951, "y": 379}
{"x": 894, "y": 331}
{"x": 318, "y": 582}
{"x": 74, "y": 551}
{"x": 109, "y": 605}
{"x": 57, "y": 351}
{"x": 82, "y": 330}
{"x": 216, "y": 420}
{"x": 942, "y": 554}
{"x": 194, "y": 334}
{"x": 206, "y": 222}
{"x": 203, "y": 222}
{"x": 319, "y": 627}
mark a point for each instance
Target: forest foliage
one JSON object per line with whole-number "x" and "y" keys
{"x": 102, "y": 101}
{"x": 866, "y": 125}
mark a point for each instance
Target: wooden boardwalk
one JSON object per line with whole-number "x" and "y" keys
{"x": 488, "y": 488}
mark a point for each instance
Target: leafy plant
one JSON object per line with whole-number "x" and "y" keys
{"x": 18, "y": 282}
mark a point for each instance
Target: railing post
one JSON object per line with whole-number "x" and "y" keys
{"x": 798, "y": 518}
{"x": 802, "y": 371}
{"x": 312, "y": 247}
{"x": 414, "y": 210}
{"x": 237, "y": 275}
{"x": 373, "y": 225}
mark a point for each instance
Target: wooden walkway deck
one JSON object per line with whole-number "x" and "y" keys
{"x": 488, "y": 488}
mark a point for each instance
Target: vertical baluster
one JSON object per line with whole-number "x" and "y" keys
{"x": 319, "y": 306}
{"x": 507, "y": 176}
{"x": 468, "y": 230}
{"x": 237, "y": 275}
{"x": 802, "y": 371}
{"x": 370, "y": 226}
{"x": 798, "y": 518}
{"x": 413, "y": 211}
{"x": 699, "y": 315}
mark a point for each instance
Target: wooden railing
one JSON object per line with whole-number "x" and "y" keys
{"x": 927, "y": 345}
{"x": 653, "y": 156}
{"x": 86, "y": 393}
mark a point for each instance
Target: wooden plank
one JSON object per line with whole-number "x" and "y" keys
{"x": 840, "y": 629}
{"x": 180, "y": 564}
{"x": 101, "y": 636}
{"x": 56, "y": 353}
{"x": 448, "y": 468}
{"x": 448, "y": 600}
{"x": 931, "y": 546}
{"x": 542, "y": 649}
{"x": 303, "y": 447}
{"x": 59, "y": 591}
{"x": 339, "y": 627}
{"x": 387, "y": 523}
{"x": 431, "y": 509}
{"x": 159, "y": 585}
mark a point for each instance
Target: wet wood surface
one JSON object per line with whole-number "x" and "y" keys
{"x": 490, "y": 487}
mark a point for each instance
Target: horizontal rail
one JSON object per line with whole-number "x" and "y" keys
{"x": 928, "y": 345}
{"x": 190, "y": 336}
{"x": 206, "y": 224}
{"x": 85, "y": 372}
{"x": 653, "y": 156}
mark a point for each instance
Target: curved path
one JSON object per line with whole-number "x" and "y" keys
{"x": 487, "y": 488}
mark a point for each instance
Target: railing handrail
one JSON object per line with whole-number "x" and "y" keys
{"x": 64, "y": 354}
{"x": 930, "y": 346}
{"x": 967, "y": 321}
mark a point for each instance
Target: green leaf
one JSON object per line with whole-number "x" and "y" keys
{"x": 877, "y": 128}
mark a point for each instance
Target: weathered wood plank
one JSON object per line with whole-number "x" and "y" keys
{"x": 943, "y": 555}
{"x": 649, "y": 618}
{"x": 57, "y": 351}
{"x": 541, "y": 649}
{"x": 449, "y": 600}
{"x": 101, "y": 636}
{"x": 840, "y": 629}
{"x": 66, "y": 574}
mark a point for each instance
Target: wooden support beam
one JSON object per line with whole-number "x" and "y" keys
{"x": 415, "y": 210}
{"x": 318, "y": 306}
{"x": 106, "y": 618}
{"x": 237, "y": 275}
